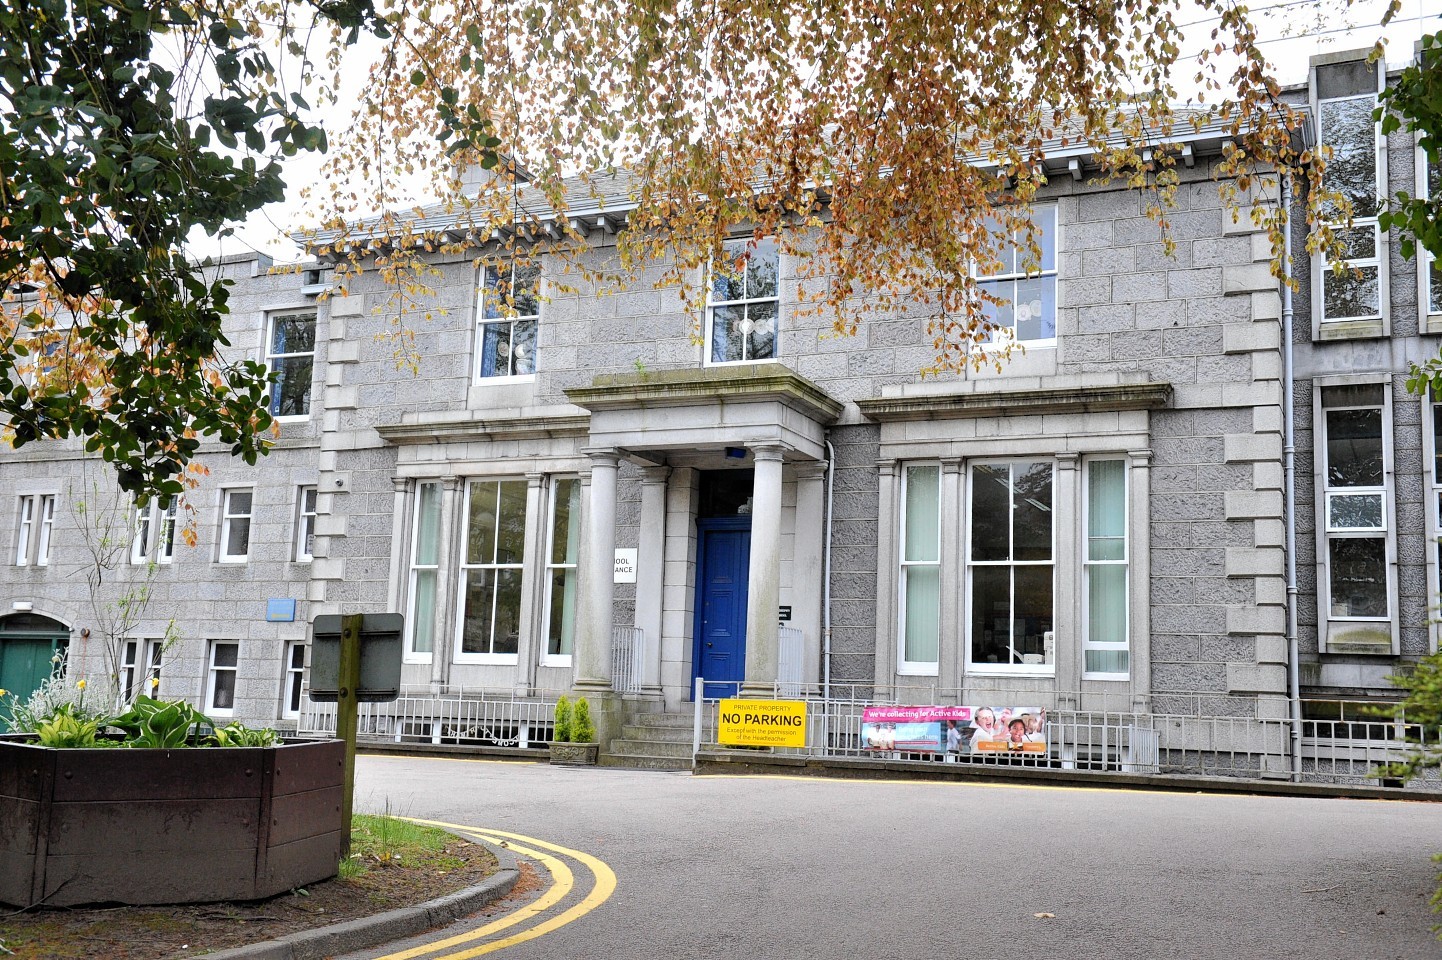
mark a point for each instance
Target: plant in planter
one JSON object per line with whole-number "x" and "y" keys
{"x": 574, "y": 741}
{"x": 183, "y": 810}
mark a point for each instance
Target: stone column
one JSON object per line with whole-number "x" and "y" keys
{"x": 593, "y": 636}
{"x": 452, "y": 547}
{"x": 1139, "y": 573}
{"x": 951, "y": 651}
{"x": 531, "y": 644}
{"x": 1067, "y": 626}
{"x": 764, "y": 581}
{"x": 807, "y": 562}
{"x": 886, "y": 574}
{"x": 651, "y": 574}
{"x": 400, "y": 542}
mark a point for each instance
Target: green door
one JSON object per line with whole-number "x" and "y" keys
{"x": 28, "y": 644}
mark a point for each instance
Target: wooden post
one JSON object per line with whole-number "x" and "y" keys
{"x": 347, "y": 715}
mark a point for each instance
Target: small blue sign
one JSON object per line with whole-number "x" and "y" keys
{"x": 280, "y": 610}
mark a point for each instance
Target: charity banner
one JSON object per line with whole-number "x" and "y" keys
{"x": 1006, "y": 730}
{"x": 956, "y": 730}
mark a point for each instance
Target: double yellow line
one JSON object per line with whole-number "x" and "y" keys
{"x": 563, "y": 882}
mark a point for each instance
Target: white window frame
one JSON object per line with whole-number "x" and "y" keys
{"x": 272, "y": 358}
{"x": 1386, "y": 532}
{"x": 227, "y": 516}
{"x": 212, "y": 674}
{"x": 33, "y": 532}
{"x": 905, "y": 667}
{"x": 412, "y": 655}
{"x": 154, "y": 532}
{"x": 1000, "y": 338}
{"x": 507, "y": 316}
{"x": 971, "y": 666}
{"x": 1321, "y": 265}
{"x": 305, "y": 522}
{"x": 1088, "y": 564}
{"x": 466, "y": 568}
{"x": 154, "y": 662}
{"x": 292, "y": 687}
{"x": 742, "y": 246}
{"x": 549, "y": 659}
{"x": 129, "y": 670}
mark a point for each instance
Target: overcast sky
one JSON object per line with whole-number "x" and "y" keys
{"x": 1290, "y": 32}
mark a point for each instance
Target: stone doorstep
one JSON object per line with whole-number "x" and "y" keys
{"x": 651, "y": 748}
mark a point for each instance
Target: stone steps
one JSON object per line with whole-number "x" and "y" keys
{"x": 653, "y": 741}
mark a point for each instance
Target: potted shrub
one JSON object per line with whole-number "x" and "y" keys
{"x": 161, "y": 805}
{"x": 573, "y": 742}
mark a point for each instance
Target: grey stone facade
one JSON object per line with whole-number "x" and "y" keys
{"x": 1169, "y": 364}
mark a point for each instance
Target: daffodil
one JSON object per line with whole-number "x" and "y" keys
{"x": 154, "y": 682}
{"x": 4, "y": 692}
{"x": 80, "y": 685}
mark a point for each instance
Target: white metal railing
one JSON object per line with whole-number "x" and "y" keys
{"x": 419, "y": 716}
{"x": 1127, "y": 741}
{"x": 628, "y": 648}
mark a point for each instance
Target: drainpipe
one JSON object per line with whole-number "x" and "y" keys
{"x": 826, "y": 576}
{"x": 826, "y": 604}
{"x": 1289, "y": 490}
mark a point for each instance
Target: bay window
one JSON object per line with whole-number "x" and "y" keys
{"x": 561, "y": 570}
{"x": 425, "y": 573}
{"x": 920, "y": 582}
{"x": 1105, "y": 646}
{"x": 492, "y": 567}
{"x": 1010, "y": 565}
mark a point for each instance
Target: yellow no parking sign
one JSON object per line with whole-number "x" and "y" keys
{"x": 762, "y": 723}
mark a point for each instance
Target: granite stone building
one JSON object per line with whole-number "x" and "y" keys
{"x": 577, "y": 495}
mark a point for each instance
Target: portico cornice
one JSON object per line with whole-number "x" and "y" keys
{"x": 1024, "y": 402}
{"x": 711, "y": 385}
{"x": 448, "y": 427}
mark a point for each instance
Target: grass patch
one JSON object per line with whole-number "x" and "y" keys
{"x": 380, "y": 842}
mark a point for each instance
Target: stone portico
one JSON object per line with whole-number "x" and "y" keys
{"x": 673, "y": 425}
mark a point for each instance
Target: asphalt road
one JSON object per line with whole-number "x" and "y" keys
{"x": 751, "y": 868}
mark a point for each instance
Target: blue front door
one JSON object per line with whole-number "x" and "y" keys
{"x": 723, "y": 555}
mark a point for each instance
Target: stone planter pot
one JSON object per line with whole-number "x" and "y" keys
{"x": 575, "y": 754}
{"x": 166, "y": 826}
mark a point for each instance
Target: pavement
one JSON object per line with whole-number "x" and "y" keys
{"x": 803, "y": 867}
{"x": 389, "y": 927}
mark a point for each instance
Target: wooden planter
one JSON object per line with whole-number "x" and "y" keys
{"x": 575, "y": 754}
{"x": 166, "y": 826}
